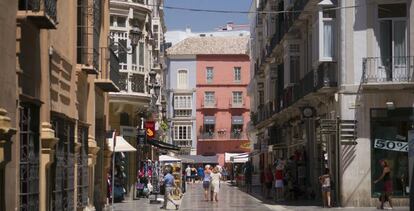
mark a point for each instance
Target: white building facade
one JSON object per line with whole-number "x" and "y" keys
{"x": 333, "y": 87}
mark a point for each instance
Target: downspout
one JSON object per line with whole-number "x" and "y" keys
{"x": 342, "y": 80}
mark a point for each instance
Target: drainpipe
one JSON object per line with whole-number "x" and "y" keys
{"x": 342, "y": 80}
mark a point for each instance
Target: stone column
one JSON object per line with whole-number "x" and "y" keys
{"x": 6, "y": 133}
{"x": 93, "y": 150}
{"x": 48, "y": 141}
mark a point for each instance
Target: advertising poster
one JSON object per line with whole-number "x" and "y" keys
{"x": 150, "y": 130}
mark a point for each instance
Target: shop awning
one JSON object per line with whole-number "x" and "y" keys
{"x": 199, "y": 159}
{"x": 165, "y": 158}
{"x": 236, "y": 157}
{"x": 163, "y": 145}
{"x": 121, "y": 145}
{"x": 209, "y": 120}
{"x": 237, "y": 120}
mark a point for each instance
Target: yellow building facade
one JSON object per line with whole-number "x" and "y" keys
{"x": 55, "y": 77}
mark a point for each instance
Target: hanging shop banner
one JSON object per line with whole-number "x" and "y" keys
{"x": 391, "y": 145}
{"x": 150, "y": 129}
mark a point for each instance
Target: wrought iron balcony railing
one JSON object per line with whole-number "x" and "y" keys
{"x": 327, "y": 76}
{"x": 108, "y": 77}
{"x": 223, "y": 135}
{"x": 42, "y": 12}
{"x": 388, "y": 69}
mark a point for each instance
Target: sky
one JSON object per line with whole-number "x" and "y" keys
{"x": 204, "y": 21}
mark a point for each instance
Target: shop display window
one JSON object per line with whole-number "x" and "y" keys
{"x": 389, "y": 135}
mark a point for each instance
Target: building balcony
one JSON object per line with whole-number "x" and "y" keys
{"x": 41, "y": 12}
{"x": 326, "y": 78}
{"x": 133, "y": 89}
{"x": 209, "y": 104}
{"x": 138, "y": 5}
{"x": 237, "y": 104}
{"x": 223, "y": 135}
{"x": 108, "y": 78}
{"x": 388, "y": 73}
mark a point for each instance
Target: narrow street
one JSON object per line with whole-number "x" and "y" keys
{"x": 230, "y": 198}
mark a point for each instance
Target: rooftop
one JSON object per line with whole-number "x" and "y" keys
{"x": 234, "y": 45}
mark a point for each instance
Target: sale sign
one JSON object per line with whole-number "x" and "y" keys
{"x": 150, "y": 129}
{"x": 391, "y": 145}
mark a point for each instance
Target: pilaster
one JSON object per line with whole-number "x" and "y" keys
{"x": 48, "y": 142}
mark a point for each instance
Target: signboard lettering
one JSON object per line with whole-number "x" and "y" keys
{"x": 391, "y": 145}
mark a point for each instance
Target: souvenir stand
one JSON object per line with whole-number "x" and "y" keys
{"x": 176, "y": 167}
{"x": 176, "y": 164}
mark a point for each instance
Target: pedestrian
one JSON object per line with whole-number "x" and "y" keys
{"x": 206, "y": 182}
{"x": 168, "y": 184}
{"x": 215, "y": 182}
{"x": 279, "y": 180}
{"x": 268, "y": 180}
{"x": 325, "y": 181}
{"x": 248, "y": 174}
{"x": 387, "y": 184}
{"x": 224, "y": 173}
{"x": 200, "y": 173}
{"x": 188, "y": 173}
{"x": 193, "y": 174}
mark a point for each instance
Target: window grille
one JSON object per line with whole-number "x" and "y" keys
{"x": 29, "y": 157}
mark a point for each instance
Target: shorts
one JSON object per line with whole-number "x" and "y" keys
{"x": 326, "y": 189}
{"x": 206, "y": 184}
{"x": 279, "y": 184}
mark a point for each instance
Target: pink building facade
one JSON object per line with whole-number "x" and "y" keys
{"x": 223, "y": 107}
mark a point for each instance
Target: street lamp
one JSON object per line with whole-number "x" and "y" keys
{"x": 135, "y": 35}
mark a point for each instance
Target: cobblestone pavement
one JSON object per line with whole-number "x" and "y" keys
{"x": 230, "y": 198}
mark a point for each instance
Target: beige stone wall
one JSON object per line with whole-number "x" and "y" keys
{"x": 8, "y": 171}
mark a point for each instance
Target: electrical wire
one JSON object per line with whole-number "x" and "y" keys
{"x": 253, "y": 12}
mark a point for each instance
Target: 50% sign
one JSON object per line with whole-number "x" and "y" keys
{"x": 391, "y": 145}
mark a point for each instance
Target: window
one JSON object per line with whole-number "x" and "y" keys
{"x": 209, "y": 74}
{"x": 237, "y": 98}
{"x": 182, "y": 102}
{"x": 237, "y": 74}
{"x": 121, "y": 21}
{"x": 112, "y": 20}
{"x": 141, "y": 54}
{"x": 293, "y": 62}
{"x": 390, "y": 129}
{"x": 323, "y": 36}
{"x": 182, "y": 79}
{"x": 182, "y": 105}
{"x": 294, "y": 69}
{"x": 393, "y": 40}
{"x": 182, "y": 132}
{"x": 209, "y": 99}
{"x": 122, "y": 54}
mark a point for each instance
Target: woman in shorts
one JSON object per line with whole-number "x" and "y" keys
{"x": 207, "y": 182}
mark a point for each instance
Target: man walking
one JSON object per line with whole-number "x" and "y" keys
{"x": 169, "y": 185}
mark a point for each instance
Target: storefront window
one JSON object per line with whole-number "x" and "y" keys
{"x": 389, "y": 142}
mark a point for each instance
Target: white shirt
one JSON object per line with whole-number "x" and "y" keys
{"x": 188, "y": 171}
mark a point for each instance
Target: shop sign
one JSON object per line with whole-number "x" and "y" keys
{"x": 391, "y": 145}
{"x": 150, "y": 129}
{"x": 128, "y": 131}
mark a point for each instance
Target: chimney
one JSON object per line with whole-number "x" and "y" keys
{"x": 188, "y": 30}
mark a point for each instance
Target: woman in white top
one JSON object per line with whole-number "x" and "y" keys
{"x": 325, "y": 181}
{"x": 215, "y": 182}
